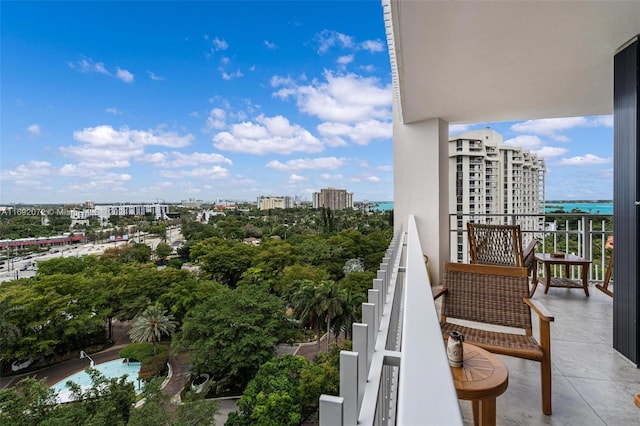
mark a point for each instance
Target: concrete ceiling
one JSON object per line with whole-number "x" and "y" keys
{"x": 484, "y": 61}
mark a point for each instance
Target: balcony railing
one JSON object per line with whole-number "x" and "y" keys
{"x": 583, "y": 234}
{"x": 398, "y": 371}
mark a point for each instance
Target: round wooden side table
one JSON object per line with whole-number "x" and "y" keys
{"x": 481, "y": 379}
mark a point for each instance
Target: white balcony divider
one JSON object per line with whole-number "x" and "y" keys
{"x": 397, "y": 372}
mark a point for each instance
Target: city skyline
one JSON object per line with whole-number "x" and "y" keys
{"x": 138, "y": 102}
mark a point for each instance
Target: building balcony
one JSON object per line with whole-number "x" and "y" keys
{"x": 398, "y": 371}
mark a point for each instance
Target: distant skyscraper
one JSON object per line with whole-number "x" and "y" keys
{"x": 267, "y": 202}
{"x": 335, "y": 199}
{"x": 489, "y": 178}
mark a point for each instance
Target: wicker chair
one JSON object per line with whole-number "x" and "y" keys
{"x": 501, "y": 245}
{"x": 498, "y": 296}
{"x": 604, "y": 287}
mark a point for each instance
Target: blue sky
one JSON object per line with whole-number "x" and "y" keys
{"x": 147, "y": 101}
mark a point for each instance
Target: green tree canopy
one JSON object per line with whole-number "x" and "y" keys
{"x": 271, "y": 397}
{"x": 163, "y": 250}
{"x": 223, "y": 260}
{"x": 232, "y": 332}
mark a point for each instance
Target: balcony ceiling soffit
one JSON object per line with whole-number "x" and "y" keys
{"x": 469, "y": 62}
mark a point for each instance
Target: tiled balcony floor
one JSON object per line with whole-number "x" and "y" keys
{"x": 592, "y": 383}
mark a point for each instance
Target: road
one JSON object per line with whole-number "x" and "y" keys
{"x": 23, "y": 268}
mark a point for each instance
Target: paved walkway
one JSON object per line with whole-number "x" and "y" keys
{"x": 55, "y": 373}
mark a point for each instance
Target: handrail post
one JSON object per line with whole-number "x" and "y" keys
{"x": 360, "y": 335}
{"x": 586, "y": 240}
{"x": 331, "y": 408}
{"x": 349, "y": 386}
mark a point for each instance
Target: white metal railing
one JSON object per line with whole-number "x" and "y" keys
{"x": 398, "y": 371}
{"x": 590, "y": 233}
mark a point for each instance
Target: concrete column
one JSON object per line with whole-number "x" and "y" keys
{"x": 421, "y": 185}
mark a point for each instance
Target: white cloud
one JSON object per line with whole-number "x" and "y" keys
{"x": 213, "y": 172}
{"x": 124, "y": 75}
{"x": 327, "y": 39}
{"x": 328, "y": 176}
{"x": 373, "y": 45}
{"x": 385, "y": 168}
{"x": 270, "y": 45}
{"x": 113, "y": 110}
{"x": 29, "y": 170}
{"x": 584, "y": 160}
{"x": 277, "y": 80}
{"x": 267, "y": 135}
{"x": 88, "y": 65}
{"x": 361, "y": 134}
{"x": 34, "y": 129}
{"x": 103, "y": 147}
{"x": 216, "y": 119}
{"x": 456, "y": 129}
{"x": 158, "y": 158}
{"x": 106, "y": 135}
{"x": 154, "y": 76}
{"x": 296, "y": 178}
{"x": 550, "y": 151}
{"x": 342, "y": 98}
{"x": 344, "y": 60}
{"x": 229, "y": 76}
{"x": 96, "y": 180}
{"x": 604, "y": 120}
{"x": 552, "y": 127}
{"x": 526, "y": 142}
{"x": 373, "y": 179}
{"x": 219, "y": 44}
{"x": 322, "y": 163}
{"x": 179, "y": 159}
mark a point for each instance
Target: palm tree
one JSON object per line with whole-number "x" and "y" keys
{"x": 150, "y": 325}
{"x": 351, "y": 313}
{"x": 331, "y": 303}
{"x": 307, "y": 305}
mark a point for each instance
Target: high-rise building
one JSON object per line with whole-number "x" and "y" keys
{"x": 335, "y": 199}
{"x": 266, "y": 202}
{"x": 490, "y": 178}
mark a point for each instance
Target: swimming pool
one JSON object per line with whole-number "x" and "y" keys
{"x": 111, "y": 369}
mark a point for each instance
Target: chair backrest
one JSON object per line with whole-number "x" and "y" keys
{"x": 488, "y": 294}
{"x": 529, "y": 254}
{"x": 495, "y": 244}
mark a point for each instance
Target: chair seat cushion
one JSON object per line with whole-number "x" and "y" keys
{"x": 517, "y": 345}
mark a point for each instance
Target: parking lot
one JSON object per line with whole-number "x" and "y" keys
{"x": 26, "y": 266}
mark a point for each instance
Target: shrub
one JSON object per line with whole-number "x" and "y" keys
{"x": 140, "y": 351}
{"x": 153, "y": 366}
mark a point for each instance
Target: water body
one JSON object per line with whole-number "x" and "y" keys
{"x": 383, "y": 205}
{"x": 605, "y": 208}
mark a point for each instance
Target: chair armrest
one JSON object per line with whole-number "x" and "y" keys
{"x": 439, "y": 292}
{"x": 539, "y": 309}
